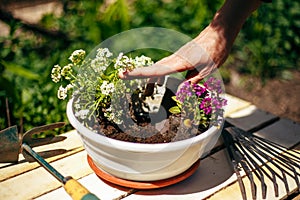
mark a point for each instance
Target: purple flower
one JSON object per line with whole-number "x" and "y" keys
{"x": 184, "y": 92}
{"x": 213, "y": 84}
{"x": 199, "y": 90}
{"x": 205, "y": 105}
{"x": 197, "y": 100}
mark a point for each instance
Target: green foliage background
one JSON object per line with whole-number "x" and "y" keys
{"x": 267, "y": 46}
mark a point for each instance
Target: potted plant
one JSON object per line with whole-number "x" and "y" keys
{"x": 120, "y": 134}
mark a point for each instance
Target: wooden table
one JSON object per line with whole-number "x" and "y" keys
{"x": 214, "y": 179}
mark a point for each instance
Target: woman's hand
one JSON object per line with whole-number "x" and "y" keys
{"x": 207, "y": 51}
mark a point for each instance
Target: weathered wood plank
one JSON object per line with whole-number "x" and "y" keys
{"x": 232, "y": 192}
{"x": 36, "y": 182}
{"x": 94, "y": 184}
{"x": 251, "y": 118}
{"x": 72, "y": 144}
{"x": 213, "y": 174}
{"x": 284, "y": 132}
{"x": 234, "y": 104}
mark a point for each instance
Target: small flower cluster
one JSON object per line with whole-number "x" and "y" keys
{"x": 95, "y": 82}
{"x": 200, "y": 104}
{"x": 59, "y": 73}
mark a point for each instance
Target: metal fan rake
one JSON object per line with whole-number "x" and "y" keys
{"x": 263, "y": 159}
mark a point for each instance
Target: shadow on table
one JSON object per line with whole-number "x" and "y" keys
{"x": 212, "y": 173}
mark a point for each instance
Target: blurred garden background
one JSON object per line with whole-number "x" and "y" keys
{"x": 263, "y": 67}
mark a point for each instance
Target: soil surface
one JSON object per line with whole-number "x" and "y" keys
{"x": 279, "y": 97}
{"x": 148, "y": 132}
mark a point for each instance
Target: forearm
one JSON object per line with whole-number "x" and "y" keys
{"x": 212, "y": 44}
{"x": 226, "y": 25}
{"x": 230, "y": 18}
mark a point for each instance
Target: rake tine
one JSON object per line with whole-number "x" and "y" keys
{"x": 275, "y": 144}
{"x": 289, "y": 164}
{"x": 279, "y": 157}
{"x": 268, "y": 158}
{"x": 273, "y": 173}
{"x": 290, "y": 156}
{"x": 237, "y": 132}
{"x": 256, "y": 170}
{"x": 291, "y": 168}
{"x": 229, "y": 146}
{"x": 236, "y": 170}
{"x": 248, "y": 173}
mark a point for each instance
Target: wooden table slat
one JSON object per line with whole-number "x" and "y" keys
{"x": 72, "y": 144}
{"x": 232, "y": 192}
{"x": 251, "y": 118}
{"x": 284, "y": 132}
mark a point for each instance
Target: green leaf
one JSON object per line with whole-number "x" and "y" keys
{"x": 19, "y": 70}
{"x": 175, "y": 110}
{"x": 174, "y": 99}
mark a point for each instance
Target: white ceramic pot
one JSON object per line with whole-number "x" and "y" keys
{"x": 143, "y": 162}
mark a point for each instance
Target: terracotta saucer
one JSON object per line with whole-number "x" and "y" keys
{"x": 143, "y": 184}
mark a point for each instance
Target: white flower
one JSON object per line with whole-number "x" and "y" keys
{"x": 66, "y": 70}
{"x": 107, "y": 88}
{"x": 124, "y": 62}
{"x": 82, "y": 113}
{"x": 113, "y": 115}
{"x": 103, "y": 52}
{"x": 62, "y": 93}
{"x": 118, "y": 60}
{"x": 55, "y": 73}
{"x": 77, "y": 56}
{"x": 69, "y": 87}
{"x": 143, "y": 61}
{"x": 76, "y": 105}
{"x": 99, "y": 64}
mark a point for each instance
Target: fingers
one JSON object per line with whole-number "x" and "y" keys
{"x": 168, "y": 65}
{"x": 200, "y": 72}
{"x": 186, "y": 58}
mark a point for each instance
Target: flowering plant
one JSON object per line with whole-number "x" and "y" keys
{"x": 200, "y": 104}
{"x": 101, "y": 98}
{"x": 95, "y": 83}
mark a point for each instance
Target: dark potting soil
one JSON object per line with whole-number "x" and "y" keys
{"x": 170, "y": 130}
{"x": 139, "y": 128}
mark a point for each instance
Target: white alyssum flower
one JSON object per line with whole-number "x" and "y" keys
{"x": 77, "y": 56}
{"x": 99, "y": 64}
{"x": 118, "y": 60}
{"x": 113, "y": 115}
{"x": 124, "y": 63}
{"x": 69, "y": 87}
{"x": 102, "y": 60}
{"x": 143, "y": 61}
{"x": 103, "y": 52}
{"x": 62, "y": 92}
{"x": 55, "y": 73}
{"x": 107, "y": 88}
{"x": 66, "y": 71}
